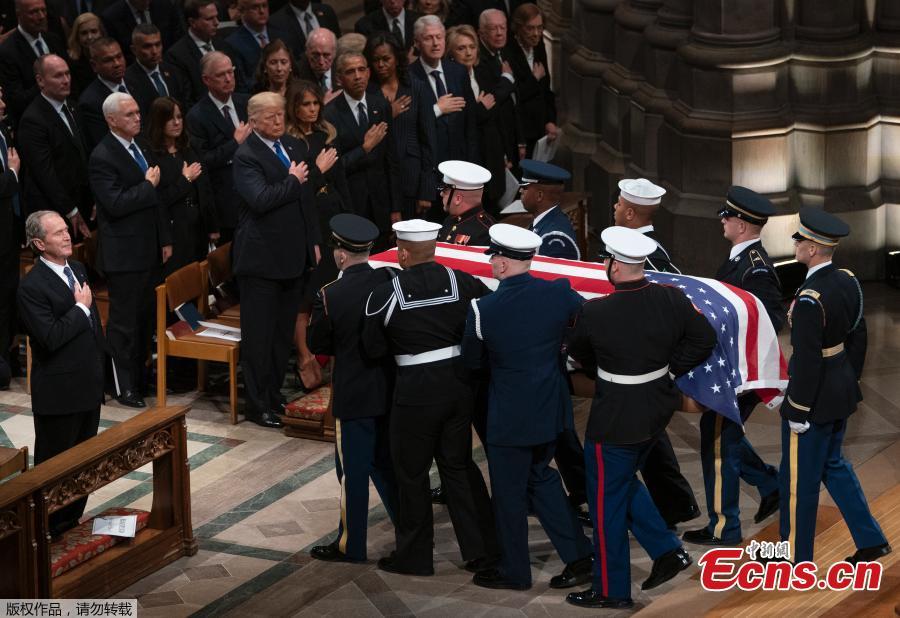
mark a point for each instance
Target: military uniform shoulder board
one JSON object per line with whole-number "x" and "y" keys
{"x": 484, "y": 220}
{"x": 756, "y": 258}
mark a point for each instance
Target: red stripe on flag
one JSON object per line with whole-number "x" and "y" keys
{"x": 751, "y": 342}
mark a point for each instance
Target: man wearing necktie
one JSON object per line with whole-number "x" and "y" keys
{"x": 135, "y": 240}
{"x": 149, "y": 77}
{"x": 56, "y": 306}
{"x": 275, "y": 246}
{"x": 390, "y": 17}
{"x": 248, "y": 39}
{"x": 186, "y": 53}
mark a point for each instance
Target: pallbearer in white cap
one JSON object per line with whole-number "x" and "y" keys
{"x": 461, "y": 195}
{"x": 639, "y": 199}
{"x": 625, "y": 245}
{"x": 416, "y": 230}
{"x": 513, "y": 242}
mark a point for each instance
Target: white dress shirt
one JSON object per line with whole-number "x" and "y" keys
{"x": 809, "y": 273}
{"x": 231, "y": 111}
{"x": 736, "y": 249}
{"x": 31, "y": 41}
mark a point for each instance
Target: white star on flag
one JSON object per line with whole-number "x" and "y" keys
{"x": 721, "y": 362}
{"x": 716, "y": 388}
{"x": 701, "y": 290}
{"x": 708, "y": 368}
{"x": 725, "y": 309}
{"x": 723, "y": 329}
{"x": 690, "y": 375}
{"x": 714, "y": 316}
{"x": 707, "y": 302}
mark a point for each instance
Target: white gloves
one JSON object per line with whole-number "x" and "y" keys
{"x": 798, "y": 428}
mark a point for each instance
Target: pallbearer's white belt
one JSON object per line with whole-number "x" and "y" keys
{"x": 405, "y": 360}
{"x": 616, "y": 378}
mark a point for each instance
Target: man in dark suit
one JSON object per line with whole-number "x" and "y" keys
{"x": 53, "y": 149}
{"x": 122, "y": 16}
{"x": 217, "y": 124}
{"x": 393, "y": 18}
{"x": 108, "y": 63}
{"x": 451, "y": 98}
{"x": 56, "y": 306}
{"x": 149, "y": 77}
{"x": 362, "y": 120}
{"x": 21, "y": 48}
{"x": 316, "y": 63}
{"x": 135, "y": 239}
{"x": 276, "y": 243}
{"x": 468, "y": 11}
{"x": 299, "y": 18}
{"x": 203, "y": 21}
{"x": 246, "y": 42}
{"x": 9, "y": 239}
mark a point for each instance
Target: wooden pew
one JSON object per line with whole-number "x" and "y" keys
{"x": 159, "y": 436}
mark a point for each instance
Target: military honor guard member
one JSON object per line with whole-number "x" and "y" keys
{"x": 517, "y": 332}
{"x": 419, "y": 318}
{"x": 828, "y": 334}
{"x": 639, "y": 199}
{"x": 725, "y": 453}
{"x": 463, "y": 187}
{"x": 542, "y": 188}
{"x": 362, "y": 387}
{"x": 637, "y": 339}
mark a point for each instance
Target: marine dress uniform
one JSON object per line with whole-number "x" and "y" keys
{"x": 552, "y": 225}
{"x": 828, "y": 334}
{"x": 469, "y": 227}
{"x": 362, "y": 389}
{"x": 419, "y": 318}
{"x": 726, "y": 454}
{"x": 636, "y": 339}
{"x": 517, "y": 332}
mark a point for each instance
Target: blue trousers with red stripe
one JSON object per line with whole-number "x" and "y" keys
{"x": 808, "y": 460}
{"x": 619, "y": 502}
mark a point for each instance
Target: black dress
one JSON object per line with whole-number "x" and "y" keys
{"x": 190, "y": 208}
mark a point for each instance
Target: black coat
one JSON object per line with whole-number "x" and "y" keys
{"x": 214, "y": 142}
{"x": 119, "y": 23}
{"x": 67, "y": 347}
{"x": 277, "y": 226}
{"x": 374, "y": 178}
{"x": 185, "y": 57}
{"x": 90, "y": 111}
{"x": 286, "y": 21}
{"x": 752, "y": 270}
{"x": 9, "y": 187}
{"x": 17, "y": 69}
{"x": 54, "y": 161}
{"x": 144, "y": 91}
{"x": 468, "y": 11}
{"x": 131, "y": 221}
{"x": 245, "y": 52}
{"x": 535, "y": 102}
{"x": 376, "y": 21}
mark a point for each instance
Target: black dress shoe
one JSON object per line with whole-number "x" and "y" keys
{"x": 482, "y": 564}
{"x": 584, "y": 518}
{"x": 704, "y": 537}
{"x": 767, "y": 506}
{"x": 678, "y": 518}
{"x": 388, "y": 563}
{"x": 666, "y": 567}
{"x": 869, "y": 554}
{"x": 263, "y": 419}
{"x": 437, "y": 495}
{"x": 575, "y": 573}
{"x": 492, "y": 578}
{"x": 592, "y": 598}
{"x": 331, "y": 553}
{"x": 132, "y": 399}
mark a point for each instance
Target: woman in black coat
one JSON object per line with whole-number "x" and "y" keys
{"x": 184, "y": 191}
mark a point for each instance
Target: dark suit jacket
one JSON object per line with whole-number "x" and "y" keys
{"x": 535, "y": 102}
{"x": 376, "y": 21}
{"x": 374, "y": 178}
{"x": 277, "y": 227}
{"x": 130, "y": 218}
{"x": 17, "y": 70}
{"x": 185, "y": 57}
{"x": 90, "y": 110}
{"x": 144, "y": 90}
{"x": 67, "y": 348}
{"x": 499, "y": 127}
{"x": 119, "y": 23}
{"x": 286, "y": 21}
{"x": 9, "y": 187}
{"x": 215, "y": 144}
{"x": 244, "y": 49}
{"x": 54, "y": 161}
{"x": 468, "y": 11}
{"x": 69, "y": 11}
{"x": 462, "y": 126}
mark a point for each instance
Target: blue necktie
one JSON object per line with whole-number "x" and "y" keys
{"x": 70, "y": 276}
{"x": 122, "y": 88}
{"x": 438, "y": 83}
{"x": 280, "y": 153}
{"x": 138, "y": 157}
{"x": 160, "y": 84}
{"x": 39, "y": 46}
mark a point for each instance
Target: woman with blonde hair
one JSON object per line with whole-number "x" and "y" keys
{"x": 86, "y": 29}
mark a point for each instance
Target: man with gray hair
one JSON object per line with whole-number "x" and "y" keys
{"x": 57, "y": 309}
{"x": 135, "y": 240}
{"x": 321, "y": 47}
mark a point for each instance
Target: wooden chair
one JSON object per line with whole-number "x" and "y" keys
{"x": 219, "y": 262}
{"x": 575, "y": 205}
{"x": 12, "y": 460}
{"x": 190, "y": 283}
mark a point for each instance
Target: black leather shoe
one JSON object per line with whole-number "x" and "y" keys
{"x": 437, "y": 495}
{"x": 592, "y": 598}
{"x": 264, "y": 419}
{"x": 132, "y": 399}
{"x": 482, "y": 564}
{"x": 869, "y": 554}
{"x": 492, "y": 578}
{"x": 678, "y": 518}
{"x": 666, "y": 567}
{"x": 575, "y": 573}
{"x": 767, "y": 506}
{"x": 704, "y": 537}
{"x": 388, "y": 564}
{"x": 584, "y": 518}
{"x": 330, "y": 553}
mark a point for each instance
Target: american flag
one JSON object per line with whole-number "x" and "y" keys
{"x": 747, "y": 356}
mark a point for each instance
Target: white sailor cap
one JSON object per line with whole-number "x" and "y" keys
{"x": 513, "y": 241}
{"x": 641, "y": 192}
{"x": 416, "y": 230}
{"x": 464, "y": 176}
{"x": 626, "y": 245}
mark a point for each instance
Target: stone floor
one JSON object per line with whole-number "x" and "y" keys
{"x": 260, "y": 501}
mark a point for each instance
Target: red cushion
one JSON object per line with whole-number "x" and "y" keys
{"x": 312, "y": 405}
{"x": 78, "y": 544}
